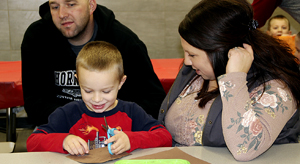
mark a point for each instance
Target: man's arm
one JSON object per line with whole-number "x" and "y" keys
{"x": 37, "y": 78}
{"x": 142, "y": 85}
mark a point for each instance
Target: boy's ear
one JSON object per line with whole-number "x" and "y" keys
{"x": 290, "y": 32}
{"x": 122, "y": 81}
{"x": 268, "y": 32}
{"x": 76, "y": 77}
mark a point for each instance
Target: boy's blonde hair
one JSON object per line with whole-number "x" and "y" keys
{"x": 278, "y": 17}
{"x": 100, "y": 56}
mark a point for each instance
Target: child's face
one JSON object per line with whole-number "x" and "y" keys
{"x": 279, "y": 27}
{"x": 99, "y": 89}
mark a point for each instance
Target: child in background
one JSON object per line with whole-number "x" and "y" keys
{"x": 278, "y": 25}
{"x": 100, "y": 74}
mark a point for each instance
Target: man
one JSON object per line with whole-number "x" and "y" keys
{"x": 49, "y": 51}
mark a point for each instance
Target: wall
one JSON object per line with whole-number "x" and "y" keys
{"x": 154, "y": 21}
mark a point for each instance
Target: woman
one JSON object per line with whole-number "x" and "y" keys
{"x": 238, "y": 87}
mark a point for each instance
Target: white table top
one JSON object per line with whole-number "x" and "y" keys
{"x": 277, "y": 154}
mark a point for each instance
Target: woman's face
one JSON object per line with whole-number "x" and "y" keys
{"x": 198, "y": 59}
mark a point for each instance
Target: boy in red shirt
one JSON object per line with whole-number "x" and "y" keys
{"x": 100, "y": 74}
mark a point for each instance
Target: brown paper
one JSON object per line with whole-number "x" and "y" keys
{"x": 98, "y": 155}
{"x": 174, "y": 153}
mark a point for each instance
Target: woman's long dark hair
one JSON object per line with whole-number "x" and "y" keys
{"x": 216, "y": 26}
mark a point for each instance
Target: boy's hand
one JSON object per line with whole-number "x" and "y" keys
{"x": 75, "y": 145}
{"x": 240, "y": 59}
{"x": 121, "y": 144}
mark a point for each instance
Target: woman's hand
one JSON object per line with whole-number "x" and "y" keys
{"x": 121, "y": 144}
{"x": 75, "y": 145}
{"x": 240, "y": 59}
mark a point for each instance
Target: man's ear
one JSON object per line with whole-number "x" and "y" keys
{"x": 93, "y": 6}
{"x": 122, "y": 81}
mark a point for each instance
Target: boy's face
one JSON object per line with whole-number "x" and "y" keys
{"x": 279, "y": 27}
{"x": 99, "y": 90}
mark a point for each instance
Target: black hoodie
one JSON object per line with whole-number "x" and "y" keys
{"x": 48, "y": 66}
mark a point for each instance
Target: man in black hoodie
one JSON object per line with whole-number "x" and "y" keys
{"x": 50, "y": 47}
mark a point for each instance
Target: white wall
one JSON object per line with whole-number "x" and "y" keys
{"x": 154, "y": 21}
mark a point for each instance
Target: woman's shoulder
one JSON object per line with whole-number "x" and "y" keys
{"x": 274, "y": 91}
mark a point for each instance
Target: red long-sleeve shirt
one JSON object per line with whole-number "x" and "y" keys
{"x": 74, "y": 118}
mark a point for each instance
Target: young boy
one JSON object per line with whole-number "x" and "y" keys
{"x": 100, "y": 74}
{"x": 278, "y": 25}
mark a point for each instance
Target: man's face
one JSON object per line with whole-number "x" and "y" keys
{"x": 71, "y": 16}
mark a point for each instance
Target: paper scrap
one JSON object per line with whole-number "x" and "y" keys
{"x": 98, "y": 155}
{"x": 174, "y": 153}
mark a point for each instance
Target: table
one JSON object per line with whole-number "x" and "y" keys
{"x": 277, "y": 154}
{"x": 7, "y": 147}
{"x": 166, "y": 70}
{"x": 11, "y": 94}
